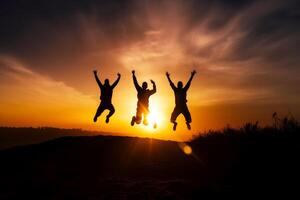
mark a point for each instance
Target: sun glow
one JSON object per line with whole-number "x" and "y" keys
{"x": 154, "y": 117}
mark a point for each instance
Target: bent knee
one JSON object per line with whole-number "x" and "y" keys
{"x": 188, "y": 120}
{"x": 172, "y": 120}
{"x": 138, "y": 120}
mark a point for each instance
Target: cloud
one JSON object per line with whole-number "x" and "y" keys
{"x": 30, "y": 95}
{"x": 247, "y": 55}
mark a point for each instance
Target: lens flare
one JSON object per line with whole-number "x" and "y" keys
{"x": 187, "y": 150}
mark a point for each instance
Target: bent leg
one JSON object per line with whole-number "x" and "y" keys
{"x": 138, "y": 115}
{"x": 174, "y": 116}
{"x": 187, "y": 115}
{"x": 111, "y": 112}
{"x": 100, "y": 110}
{"x": 145, "y": 113}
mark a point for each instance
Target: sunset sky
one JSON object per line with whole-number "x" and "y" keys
{"x": 246, "y": 54}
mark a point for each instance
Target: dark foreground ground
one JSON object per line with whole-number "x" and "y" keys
{"x": 250, "y": 162}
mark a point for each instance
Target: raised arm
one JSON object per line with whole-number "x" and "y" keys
{"x": 188, "y": 84}
{"x": 170, "y": 81}
{"x": 117, "y": 81}
{"x": 153, "y": 91}
{"x": 97, "y": 79}
{"x": 136, "y": 84}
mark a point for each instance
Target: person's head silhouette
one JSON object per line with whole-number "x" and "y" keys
{"x": 145, "y": 85}
{"x": 179, "y": 84}
{"x": 106, "y": 82}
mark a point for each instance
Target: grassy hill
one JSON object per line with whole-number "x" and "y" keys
{"x": 247, "y": 162}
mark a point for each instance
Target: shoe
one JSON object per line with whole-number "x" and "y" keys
{"x": 145, "y": 122}
{"x": 174, "y": 126}
{"x": 155, "y": 125}
{"x": 132, "y": 121}
{"x": 188, "y": 126}
{"x": 95, "y": 119}
{"x": 107, "y": 120}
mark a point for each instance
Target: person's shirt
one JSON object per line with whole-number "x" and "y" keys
{"x": 180, "y": 96}
{"x": 143, "y": 96}
{"x": 106, "y": 93}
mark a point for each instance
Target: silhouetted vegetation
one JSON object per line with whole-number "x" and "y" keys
{"x": 252, "y": 158}
{"x": 281, "y": 126}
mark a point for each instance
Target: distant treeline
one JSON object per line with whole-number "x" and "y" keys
{"x": 15, "y": 136}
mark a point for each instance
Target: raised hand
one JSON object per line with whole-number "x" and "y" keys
{"x": 154, "y": 87}
{"x": 193, "y": 72}
{"x": 119, "y": 75}
{"x": 95, "y": 71}
{"x": 133, "y": 72}
{"x": 170, "y": 81}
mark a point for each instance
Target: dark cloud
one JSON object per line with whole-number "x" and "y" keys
{"x": 54, "y": 36}
{"x": 273, "y": 36}
{"x": 32, "y": 27}
{"x": 27, "y": 27}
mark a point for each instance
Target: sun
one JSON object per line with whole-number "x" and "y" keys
{"x": 157, "y": 118}
{"x": 154, "y": 117}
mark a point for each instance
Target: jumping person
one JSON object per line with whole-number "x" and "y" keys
{"x": 143, "y": 100}
{"x": 106, "y": 95}
{"x": 180, "y": 101}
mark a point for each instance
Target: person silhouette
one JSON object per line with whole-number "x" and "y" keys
{"x": 143, "y": 101}
{"x": 106, "y": 96}
{"x": 180, "y": 101}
